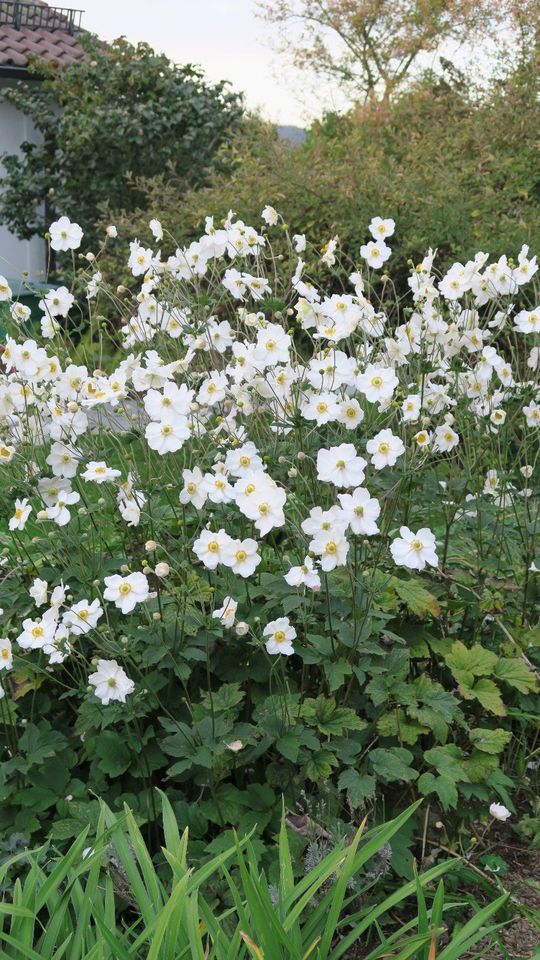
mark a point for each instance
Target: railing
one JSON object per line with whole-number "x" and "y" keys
{"x": 36, "y": 16}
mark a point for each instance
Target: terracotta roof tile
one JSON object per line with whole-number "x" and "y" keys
{"x": 51, "y": 43}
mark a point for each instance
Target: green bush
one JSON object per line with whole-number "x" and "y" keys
{"x": 456, "y": 168}
{"x": 122, "y": 113}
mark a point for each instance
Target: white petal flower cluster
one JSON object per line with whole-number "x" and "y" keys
{"x": 259, "y": 422}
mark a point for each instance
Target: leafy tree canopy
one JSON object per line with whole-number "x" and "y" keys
{"x": 123, "y": 113}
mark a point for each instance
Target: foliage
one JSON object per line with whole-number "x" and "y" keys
{"x": 455, "y": 167}
{"x": 371, "y": 49}
{"x": 404, "y": 682}
{"x": 122, "y": 113}
{"x": 112, "y": 901}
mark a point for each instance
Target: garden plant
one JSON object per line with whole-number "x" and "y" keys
{"x": 270, "y": 541}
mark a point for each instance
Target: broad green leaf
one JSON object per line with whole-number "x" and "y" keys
{"x": 359, "y": 786}
{"x": 516, "y": 673}
{"x": 490, "y": 741}
{"x": 393, "y": 764}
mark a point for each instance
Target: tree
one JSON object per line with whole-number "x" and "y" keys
{"x": 371, "y": 46}
{"x": 123, "y": 113}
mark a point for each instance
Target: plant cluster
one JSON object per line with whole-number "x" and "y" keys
{"x": 122, "y": 113}
{"x": 286, "y": 545}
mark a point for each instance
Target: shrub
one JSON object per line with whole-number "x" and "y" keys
{"x": 288, "y": 544}
{"x": 455, "y": 166}
{"x": 122, "y": 113}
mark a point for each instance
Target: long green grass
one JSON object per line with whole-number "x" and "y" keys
{"x": 77, "y": 906}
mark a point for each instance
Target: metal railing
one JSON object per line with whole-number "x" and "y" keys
{"x": 36, "y": 16}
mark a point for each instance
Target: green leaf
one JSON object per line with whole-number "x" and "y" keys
{"x": 443, "y": 786}
{"x": 490, "y": 741}
{"x": 359, "y": 786}
{"x": 467, "y": 664}
{"x": 114, "y": 754}
{"x": 447, "y": 760}
{"x": 415, "y": 596}
{"x": 488, "y": 694}
{"x": 330, "y": 719}
{"x": 393, "y": 764}
{"x": 395, "y": 724}
{"x": 319, "y": 766}
{"x": 516, "y": 673}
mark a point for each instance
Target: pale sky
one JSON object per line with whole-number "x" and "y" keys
{"x": 225, "y": 38}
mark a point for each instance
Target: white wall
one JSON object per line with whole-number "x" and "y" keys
{"x": 17, "y": 256}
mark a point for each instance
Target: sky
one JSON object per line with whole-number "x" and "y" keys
{"x": 226, "y": 38}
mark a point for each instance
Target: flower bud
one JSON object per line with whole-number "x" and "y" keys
{"x": 150, "y": 546}
{"x": 242, "y": 628}
{"x": 162, "y": 569}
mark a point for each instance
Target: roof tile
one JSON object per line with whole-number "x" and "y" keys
{"x": 16, "y": 46}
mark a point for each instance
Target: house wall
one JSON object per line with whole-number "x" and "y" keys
{"x": 18, "y": 256}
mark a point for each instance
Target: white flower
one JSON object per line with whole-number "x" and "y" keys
{"x": 210, "y": 547}
{"x": 57, "y": 303}
{"x": 270, "y": 216}
{"x": 65, "y": 235}
{"x": 411, "y": 408}
{"x": 167, "y": 436}
{"x": 227, "y": 612}
{"x": 299, "y": 241}
{"x": 499, "y": 812}
{"x": 414, "y": 550}
{"x": 38, "y": 592}
{"x": 532, "y": 414}
{"x": 241, "y": 556}
{"x": 36, "y": 634}
{"x": 111, "y": 231}
{"x": 99, "y": 472}
{"x": 6, "y": 655}
{"x": 63, "y": 460}
{"x": 140, "y": 259}
{"x": 126, "y": 592}
{"x": 83, "y": 617}
{"x": 332, "y": 547}
{"x": 304, "y": 575}
{"x": 157, "y": 229}
{"x": 111, "y": 682}
{"x": 360, "y": 510}
{"x": 350, "y": 414}
{"x": 380, "y": 229}
{"x": 280, "y": 635}
{"x": 375, "y": 253}
{"x": 445, "y": 438}
{"x": 385, "y": 448}
{"x": 195, "y": 489}
{"x": 5, "y": 290}
{"x": 20, "y": 516}
{"x": 491, "y": 485}
{"x": 377, "y": 383}
{"x": 527, "y": 321}
{"x": 341, "y": 466}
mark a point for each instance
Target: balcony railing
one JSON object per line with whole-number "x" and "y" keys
{"x": 37, "y": 16}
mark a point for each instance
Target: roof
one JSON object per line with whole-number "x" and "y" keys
{"x": 35, "y": 29}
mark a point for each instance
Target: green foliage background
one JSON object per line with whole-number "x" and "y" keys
{"x": 457, "y": 168}
{"x": 122, "y": 113}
